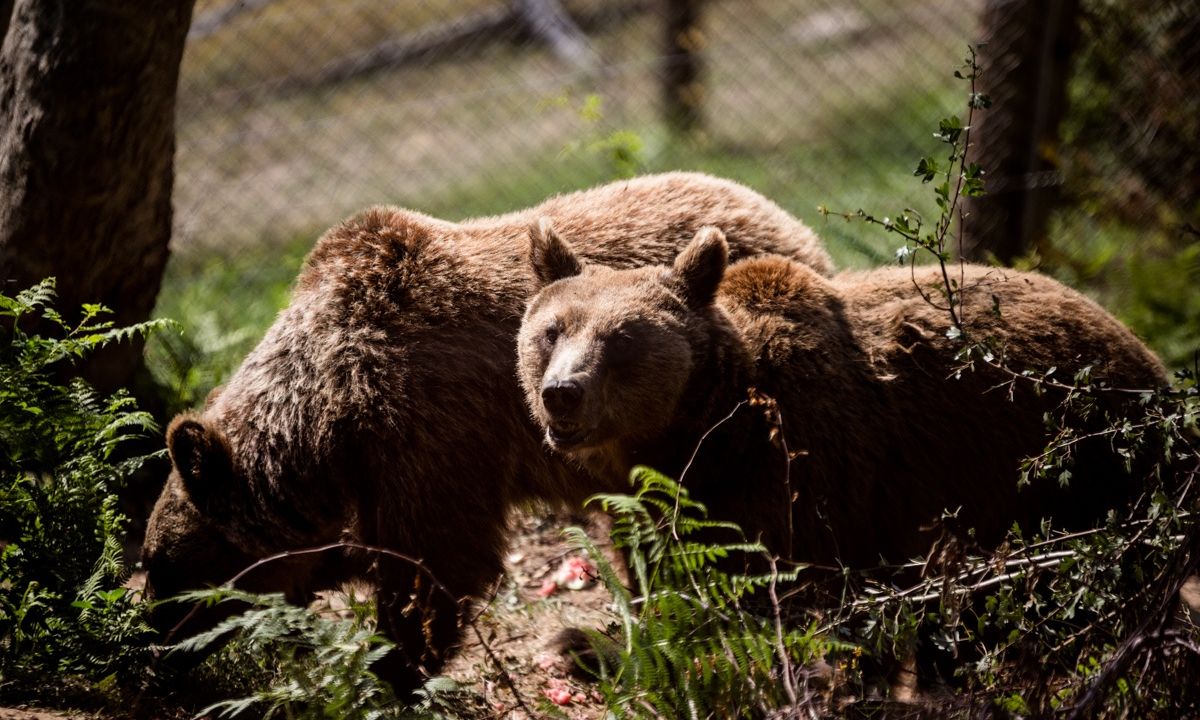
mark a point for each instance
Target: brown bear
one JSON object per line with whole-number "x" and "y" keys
{"x": 381, "y": 407}
{"x": 875, "y": 427}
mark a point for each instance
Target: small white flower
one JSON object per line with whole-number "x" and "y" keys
{"x": 902, "y": 253}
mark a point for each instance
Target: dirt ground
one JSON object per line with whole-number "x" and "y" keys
{"x": 16, "y": 714}
{"x": 527, "y": 613}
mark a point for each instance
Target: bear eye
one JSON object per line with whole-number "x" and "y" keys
{"x": 621, "y": 347}
{"x": 551, "y": 334}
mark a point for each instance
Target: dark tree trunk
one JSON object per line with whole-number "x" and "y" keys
{"x": 87, "y": 143}
{"x": 682, "y": 91}
{"x": 1026, "y": 62}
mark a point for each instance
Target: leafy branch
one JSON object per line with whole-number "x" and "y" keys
{"x": 957, "y": 178}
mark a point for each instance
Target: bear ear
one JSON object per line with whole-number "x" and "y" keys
{"x": 201, "y": 457}
{"x": 549, "y": 255}
{"x": 699, "y": 268}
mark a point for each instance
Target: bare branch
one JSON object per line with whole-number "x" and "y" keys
{"x": 213, "y": 21}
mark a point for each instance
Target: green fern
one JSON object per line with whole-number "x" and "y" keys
{"x": 61, "y": 606}
{"x": 319, "y": 663}
{"x": 692, "y": 641}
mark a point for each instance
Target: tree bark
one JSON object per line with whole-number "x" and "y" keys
{"x": 1026, "y": 62}
{"x": 87, "y": 143}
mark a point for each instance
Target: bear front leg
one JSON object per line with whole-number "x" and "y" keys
{"x": 421, "y": 618}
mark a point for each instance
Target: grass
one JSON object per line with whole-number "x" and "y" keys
{"x": 1147, "y": 276}
{"x": 225, "y": 302}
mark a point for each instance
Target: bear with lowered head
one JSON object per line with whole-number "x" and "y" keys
{"x": 863, "y": 426}
{"x": 380, "y": 409}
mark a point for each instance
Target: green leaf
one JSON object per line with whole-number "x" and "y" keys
{"x": 949, "y": 130}
{"x": 927, "y": 169}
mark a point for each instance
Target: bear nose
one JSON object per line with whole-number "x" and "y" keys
{"x": 561, "y": 396}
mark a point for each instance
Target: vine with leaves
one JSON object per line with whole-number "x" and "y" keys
{"x": 957, "y": 179}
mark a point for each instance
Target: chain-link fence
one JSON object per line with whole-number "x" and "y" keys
{"x": 1133, "y": 133}
{"x": 293, "y": 114}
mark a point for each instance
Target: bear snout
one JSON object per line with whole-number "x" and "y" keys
{"x": 564, "y": 414}
{"x": 562, "y": 398}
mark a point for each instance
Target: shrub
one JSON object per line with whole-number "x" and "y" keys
{"x": 311, "y": 663}
{"x": 319, "y": 664}
{"x": 1086, "y": 624}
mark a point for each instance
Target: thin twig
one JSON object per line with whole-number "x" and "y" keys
{"x": 1072, "y": 388}
{"x": 695, "y": 452}
{"x": 789, "y": 686}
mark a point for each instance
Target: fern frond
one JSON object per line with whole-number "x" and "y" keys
{"x": 61, "y": 517}
{"x": 37, "y": 296}
{"x": 692, "y": 649}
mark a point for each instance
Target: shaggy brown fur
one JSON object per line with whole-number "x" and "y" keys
{"x": 625, "y": 367}
{"x": 381, "y": 407}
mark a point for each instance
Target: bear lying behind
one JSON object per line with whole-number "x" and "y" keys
{"x": 380, "y": 407}
{"x": 625, "y": 367}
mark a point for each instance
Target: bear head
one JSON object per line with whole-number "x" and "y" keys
{"x": 605, "y": 355}
{"x": 188, "y": 541}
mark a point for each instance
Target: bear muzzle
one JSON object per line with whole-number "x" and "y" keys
{"x": 562, "y": 397}
{"x": 568, "y": 437}
{"x": 562, "y": 403}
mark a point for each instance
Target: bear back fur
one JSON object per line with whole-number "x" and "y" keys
{"x": 894, "y": 430}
